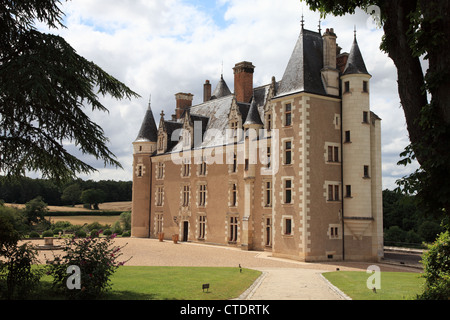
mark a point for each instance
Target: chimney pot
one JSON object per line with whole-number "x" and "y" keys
{"x": 207, "y": 91}
{"x": 184, "y": 101}
{"x": 243, "y": 81}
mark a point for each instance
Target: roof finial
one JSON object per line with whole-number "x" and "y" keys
{"x": 355, "y": 31}
{"x": 320, "y": 27}
{"x": 150, "y": 102}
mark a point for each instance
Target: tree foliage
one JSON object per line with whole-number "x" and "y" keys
{"x": 44, "y": 88}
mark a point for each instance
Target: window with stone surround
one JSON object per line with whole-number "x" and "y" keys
{"x": 159, "y": 196}
{"x": 288, "y": 115}
{"x": 201, "y": 227}
{"x": 233, "y": 229}
{"x": 202, "y": 195}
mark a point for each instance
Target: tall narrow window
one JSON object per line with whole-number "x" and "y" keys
{"x": 233, "y": 229}
{"x": 269, "y": 122}
{"x": 288, "y": 152}
{"x": 202, "y": 227}
{"x": 268, "y": 194}
{"x": 234, "y": 195}
{"x": 202, "y": 167}
{"x": 365, "y": 86}
{"x": 186, "y": 194}
{"x": 366, "y": 172}
{"x": 234, "y": 163}
{"x": 347, "y": 86}
{"x": 159, "y": 196}
{"x": 159, "y": 223}
{"x": 268, "y": 157}
{"x": 202, "y": 195}
{"x": 160, "y": 170}
{"x": 288, "y": 226}
{"x": 288, "y": 191}
{"x": 347, "y": 136}
{"x": 348, "y": 191}
{"x": 139, "y": 171}
{"x": 288, "y": 115}
{"x": 234, "y": 128}
{"x": 365, "y": 117}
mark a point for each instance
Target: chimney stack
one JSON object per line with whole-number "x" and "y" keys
{"x": 243, "y": 81}
{"x": 184, "y": 101}
{"x": 207, "y": 91}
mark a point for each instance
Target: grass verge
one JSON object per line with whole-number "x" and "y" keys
{"x": 394, "y": 285}
{"x": 170, "y": 283}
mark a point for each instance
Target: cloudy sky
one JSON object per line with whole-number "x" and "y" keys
{"x": 162, "y": 47}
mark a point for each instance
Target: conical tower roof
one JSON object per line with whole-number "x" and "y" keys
{"x": 253, "y": 116}
{"x": 149, "y": 131}
{"x": 355, "y": 62}
{"x": 221, "y": 90}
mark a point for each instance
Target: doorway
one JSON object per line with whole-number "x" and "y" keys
{"x": 185, "y": 231}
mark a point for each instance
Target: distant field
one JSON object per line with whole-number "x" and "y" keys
{"x": 110, "y": 206}
{"x": 80, "y": 220}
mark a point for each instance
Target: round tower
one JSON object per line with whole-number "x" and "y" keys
{"x": 143, "y": 148}
{"x": 356, "y": 145}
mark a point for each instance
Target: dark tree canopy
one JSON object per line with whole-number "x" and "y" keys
{"x": 44, "y": 88}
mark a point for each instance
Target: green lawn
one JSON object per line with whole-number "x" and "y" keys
{"x": 175, "y": 283}
{"x": 394, "y": 285}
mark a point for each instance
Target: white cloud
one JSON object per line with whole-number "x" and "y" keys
{"x": 162, "y": 47}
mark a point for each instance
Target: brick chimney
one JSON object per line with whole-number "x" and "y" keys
{"x": 206, "y": 91}
{"x": 243, "y": 81}
{"x": 184, "y": 101}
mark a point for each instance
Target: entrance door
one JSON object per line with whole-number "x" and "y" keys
{"x": 185, "y": 231}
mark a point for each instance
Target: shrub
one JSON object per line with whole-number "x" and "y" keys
{"x": 97, "y": 259}
{"x": 47, "y": 233}
{"x": 126, "y": 234}
{"x": 107, "y": 232}
{"x": 34, "y": 235}
{"x": 437, "y": 269}
{"x": 80, "y": 233}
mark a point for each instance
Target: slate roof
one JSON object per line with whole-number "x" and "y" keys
{"x": 303, "y": 72}
{"x": 148, "y": 131}
{"x": 221, "y": 90}
{"x": 355, "y": 62}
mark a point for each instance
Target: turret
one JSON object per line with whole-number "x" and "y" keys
{"x": 143, "y": 147}
{"x": 356, "y": 131}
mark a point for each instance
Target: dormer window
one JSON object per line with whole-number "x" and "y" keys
{"x": 234, "y": 127}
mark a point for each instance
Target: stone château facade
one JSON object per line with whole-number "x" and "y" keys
{"x": 292, "y": 167}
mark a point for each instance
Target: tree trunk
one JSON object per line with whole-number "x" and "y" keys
{"x": 411, "y": 82}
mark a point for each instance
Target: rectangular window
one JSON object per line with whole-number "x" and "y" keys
{"x": 288, "y": 226}
{"x": 333, "y": 192}
{"x": 202, "y": 167}
{"x": 202, "y": 195}
{"x": 202, "y": 227}
{"x": 365, "y": 117}
{"x": 334, "y": 232}
{"x": 186, "y": 195}
{"x": 233, "y": 202}
{"x": 140, "y": 171}
{"x": 347, "y": 86}
{"x": 234, "y": 169}
{"x": 288, "y": 115}
{"x": 288, "y": 153}
{"x": 186, "y": 169}
{"x": 160, "y": 171}
{"x": 348, "y": 191}
{"x": 288, "y": 192}
{"x": 233, "y": 229}
{"x": 269, "y": 122}
{"x": 159, "y": 223}
{"x": 268, "y": 157}
{"x": 268, "y": 194}
{"x": 365, "y": 86}
{"x": 347, "y": 136}
{"x": 159, "y": 196}
{"x": 366, "y": 172}
{"x": 234, "y": 128}
{"x": 333, "y": 154}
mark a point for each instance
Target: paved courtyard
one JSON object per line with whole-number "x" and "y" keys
{"x": 282, "y": 279}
